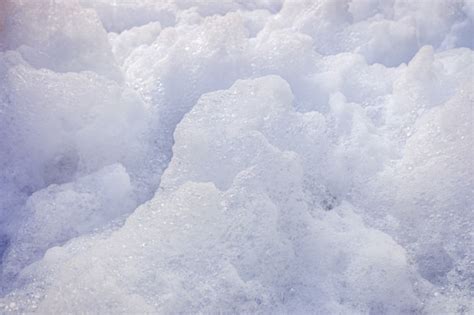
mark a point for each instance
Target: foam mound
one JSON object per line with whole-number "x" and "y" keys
{"x": 267, "y": 156}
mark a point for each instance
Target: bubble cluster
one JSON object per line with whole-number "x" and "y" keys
{"x": 266, "y": 156}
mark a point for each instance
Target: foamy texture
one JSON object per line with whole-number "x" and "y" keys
{"x": 236, "y": 156}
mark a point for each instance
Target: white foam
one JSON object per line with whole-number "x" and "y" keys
{"x": 236, "y": 156}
